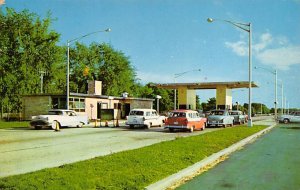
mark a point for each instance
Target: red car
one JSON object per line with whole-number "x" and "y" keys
{"x": 185, "y": 119}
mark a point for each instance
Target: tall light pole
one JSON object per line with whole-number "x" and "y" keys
{"x": 246, "y": 27}
{"x": 68, "y": 59}
{"x": 176, "y": 76}
{"x": 282, "y": 98}
{"x": 275, "y": 74}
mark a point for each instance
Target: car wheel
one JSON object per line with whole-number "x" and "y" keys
{"x": 286, "y": 121}
{"x": 192, "y": 129}
{"x": 149, "y": 125}
{"x": 80, "y": 125}
{"x": 203, "y": 127}
{"x": 131, "y": 126}
{"x": 56, "y": 125}
{"x": 171, "y": 130}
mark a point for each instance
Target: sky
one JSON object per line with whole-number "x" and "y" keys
{"x": 165, "y": 37}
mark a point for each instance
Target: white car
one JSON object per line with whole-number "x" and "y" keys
{"x": 292, "y": 118}
{"x": 145, "y": 118}
{"x": 63, "y": 118}
{"x": 219, "y": 118}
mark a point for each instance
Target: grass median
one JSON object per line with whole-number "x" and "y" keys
{"x": 13, "y": 124}
{"x": 133, "y": 169}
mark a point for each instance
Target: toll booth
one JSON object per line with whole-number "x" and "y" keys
{"x": 187, "y": 92}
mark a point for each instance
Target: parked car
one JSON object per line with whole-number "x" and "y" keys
{"x": 291, "y": 118}
{"x": 185, "y": 119}
{"x": 145, "y": 118}
{"x": 239, "y": 117}
{"x": 219, "y": 118}
{"x": 63, "y": 118}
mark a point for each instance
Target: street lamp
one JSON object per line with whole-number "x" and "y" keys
{"x": 68, "y": 59}
{"x": 176, "y": 76}
{"x": 246, "y": 27}
{"x": 275, "y": 73}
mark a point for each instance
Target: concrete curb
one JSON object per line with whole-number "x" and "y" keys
{"x": 192, "y": 170}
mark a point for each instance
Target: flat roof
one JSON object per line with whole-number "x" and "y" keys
{"x": 205, "y": 85}
{"x": 72, "y": 94}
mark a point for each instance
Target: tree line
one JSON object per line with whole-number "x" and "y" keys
{"x": 30, "y": 57}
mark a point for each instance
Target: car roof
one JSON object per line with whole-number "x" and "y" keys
{"x": 185, "y": 111}
{"x": 136, "y": 109}
{"x": 60, "y": 110}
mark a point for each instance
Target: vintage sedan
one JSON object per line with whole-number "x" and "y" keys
{"x": 185, "y": 119}
{"x": 144, "y": 118}
{"x": 292, "y": 118}
{"x": 220, "y": 118}
{"x": 239, "y": 117}
{"x": 63, "y": 118}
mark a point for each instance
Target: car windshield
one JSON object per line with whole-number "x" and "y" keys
{"x": 177, "y": 114}
{"x": 54, "y": 113}
{"x": 217, "y": 113}
{"x": 134, "y": 112}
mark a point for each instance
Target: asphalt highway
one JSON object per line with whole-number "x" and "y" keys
{"x": 272, "y": 162}
{"x": 24, "y": 150}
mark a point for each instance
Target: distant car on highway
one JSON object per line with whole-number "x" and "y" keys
{"x": 292, "y": 118}
{"x": 219, "y": 118}
{"x": 145, "y": 118}
{"x": 239, "y": 117}
{"x": 63, "y": 118}
{"x": 185, "y": 119}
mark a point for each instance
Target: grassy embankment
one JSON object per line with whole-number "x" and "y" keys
{"x": 134, "y": 169}
{"x": 14, "y": 124}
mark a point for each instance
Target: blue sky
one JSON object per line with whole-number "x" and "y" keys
{"x": 165, "y": 37}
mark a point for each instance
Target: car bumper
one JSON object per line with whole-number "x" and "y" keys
{"x": 176, "y": 127}
{"x": 215, "y": 123}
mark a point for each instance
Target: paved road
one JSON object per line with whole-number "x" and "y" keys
{"x": 25, "y": 150}
{"x": 272, "y": 162}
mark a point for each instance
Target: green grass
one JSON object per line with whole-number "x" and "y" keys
{"x": 13, "y": 124}
{"x": 134, "y": 169}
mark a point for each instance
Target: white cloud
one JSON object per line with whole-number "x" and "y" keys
{"x": 240, "y": 47}
{"x": 281, "y": 58}
{"x": 265, "y": 40}
{"x": 276, "y": 52}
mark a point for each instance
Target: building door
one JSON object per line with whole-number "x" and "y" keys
{"x": 125, "y": 110}
{"x": 99, "y": 107}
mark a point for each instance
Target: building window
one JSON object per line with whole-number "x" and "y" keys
{"x": 77, "y": 104}
{"x": 117, "y": 106}
{"x": 59, "y": 103}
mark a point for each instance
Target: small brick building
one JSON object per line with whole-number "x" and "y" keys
{"x": 93, "y": 104}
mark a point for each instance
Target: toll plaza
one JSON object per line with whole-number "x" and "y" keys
{"x": 187, "y": 92}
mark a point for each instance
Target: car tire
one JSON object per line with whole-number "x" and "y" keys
{"x": 192, "y": 129}
{"x": 148, "y": 126}
{"x": 171, "y": 130}
{"x": 285, "y": 121}
{"x": 203, "y": 127}
{"x": 131, "y": 126}
{"x": 80, "y": 125}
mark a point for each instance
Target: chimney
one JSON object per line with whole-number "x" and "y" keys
{"x": 95, "y": 87}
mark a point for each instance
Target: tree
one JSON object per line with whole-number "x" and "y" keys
{"x": 165, "y": 103}
{"x": 27, "y": 46}
{"x": 198, "y": 105}
{"x": 101, "y": 62}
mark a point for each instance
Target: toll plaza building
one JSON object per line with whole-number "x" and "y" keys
{"x": 187, "y": 92}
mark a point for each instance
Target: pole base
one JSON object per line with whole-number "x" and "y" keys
{"x": 250, "y": 123}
